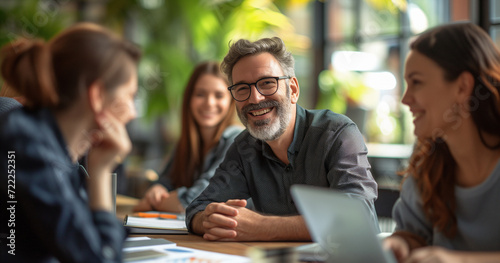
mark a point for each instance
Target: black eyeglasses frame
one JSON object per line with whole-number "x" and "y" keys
{"x": 230, "y": 88}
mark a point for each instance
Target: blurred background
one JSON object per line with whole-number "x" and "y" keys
{"x": 349, "y": 57}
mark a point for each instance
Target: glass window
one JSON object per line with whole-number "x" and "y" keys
{"x": 341, "y": 20}
{"x": 427, "y": 13}
{"x": 367, "y": 42}
{"x": 378, "y": 19}
{"x": 495, "y": 34}
{"x": 495, "y": 11}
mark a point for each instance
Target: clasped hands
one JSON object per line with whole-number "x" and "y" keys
{"x": 230, "y": 221}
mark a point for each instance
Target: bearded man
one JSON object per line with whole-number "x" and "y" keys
{"x": 283, "y": 144}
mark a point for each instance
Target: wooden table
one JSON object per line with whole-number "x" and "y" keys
{"x": 124, "y": 205}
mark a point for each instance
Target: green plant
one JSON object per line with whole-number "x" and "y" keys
{"x": 175, "y": 35}
{"x": 339, "y": 90}
{"x": 31, "y": 19}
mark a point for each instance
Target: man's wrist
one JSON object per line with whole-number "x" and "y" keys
{"x": 284, "y": 228}
{"x": 197, "y": 223}
{"x": 269, "y": 229}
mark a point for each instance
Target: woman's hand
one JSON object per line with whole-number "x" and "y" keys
{"x": 152, "y": 199}
{"x": 110, "y": 143}
{"x": 398, "y": 246}
{"x": 170, "y": 204}
{"x": 434, "y": 255}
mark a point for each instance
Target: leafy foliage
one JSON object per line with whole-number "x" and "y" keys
{"x": 176, "y": 35}
{"x": 173, "y": 35}
{"x": 30, "y": 19}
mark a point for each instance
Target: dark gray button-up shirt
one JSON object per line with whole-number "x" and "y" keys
{"x": 327, "y": 150}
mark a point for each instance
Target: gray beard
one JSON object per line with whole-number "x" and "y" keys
{"x": 268, "y": 130}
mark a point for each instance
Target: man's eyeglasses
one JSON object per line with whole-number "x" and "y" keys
{"x": 265, "y": 86}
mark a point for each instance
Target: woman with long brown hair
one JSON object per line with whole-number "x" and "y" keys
{"x": 79, "y": 89}
{"x": 449, "y": 208}
{"x": 208, "y": 118}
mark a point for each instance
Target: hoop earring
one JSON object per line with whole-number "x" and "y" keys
{"x": 455, "y": 109}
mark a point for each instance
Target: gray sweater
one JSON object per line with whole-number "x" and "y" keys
{"x": 478, "y": 216}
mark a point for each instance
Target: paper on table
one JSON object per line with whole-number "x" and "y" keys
{"x": 157, "y": 243}
{"x": 155, "y": 223}
{"x": 136, "y": 238}
{"x": 184, "y": 254}
{"x": 145, "y": 249}
{"x": 149, "y": 255}
{"x": 172, "y": 253}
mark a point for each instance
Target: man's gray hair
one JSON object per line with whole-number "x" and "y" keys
{"x": 243, "y": 47}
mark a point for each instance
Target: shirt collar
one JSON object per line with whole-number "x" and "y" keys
{"x": 298, "y": 137}
{"x": 298, "y": 133}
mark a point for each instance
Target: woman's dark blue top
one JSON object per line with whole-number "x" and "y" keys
{"x": 45, "y": 212}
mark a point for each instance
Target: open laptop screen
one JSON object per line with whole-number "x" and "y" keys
{"x": 340, "y": 224}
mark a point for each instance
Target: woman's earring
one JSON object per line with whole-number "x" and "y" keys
{"x": 455, "y": 109}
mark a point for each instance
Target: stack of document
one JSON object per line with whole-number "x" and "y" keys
{"x": 147, "y": 250}
{"x": 155, "y": 225}
{"x": 139, "y": 243}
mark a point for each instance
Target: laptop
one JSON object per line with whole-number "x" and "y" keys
{"x": 340, "y": 225}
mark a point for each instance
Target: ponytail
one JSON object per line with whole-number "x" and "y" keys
{"x": 27, "y": 67}
{"x": 56, "y": 74}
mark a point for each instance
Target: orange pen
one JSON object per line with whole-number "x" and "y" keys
{"x": 147, "y": 215}
{"x": 168, "y": 216}
{"x": 155, "y": 215}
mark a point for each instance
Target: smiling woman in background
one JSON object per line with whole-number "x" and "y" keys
{"x": 449, "y": 209}
{"x": 208, "y": 117}
{"x": 79, "y": 91}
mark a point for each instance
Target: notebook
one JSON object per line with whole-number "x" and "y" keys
{"x": 340, "y": 225}
{"x": 139, "y": 225}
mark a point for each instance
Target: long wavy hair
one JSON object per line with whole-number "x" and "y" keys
{"x": 456, "y": 48}
{"x": 189, "y": 156}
